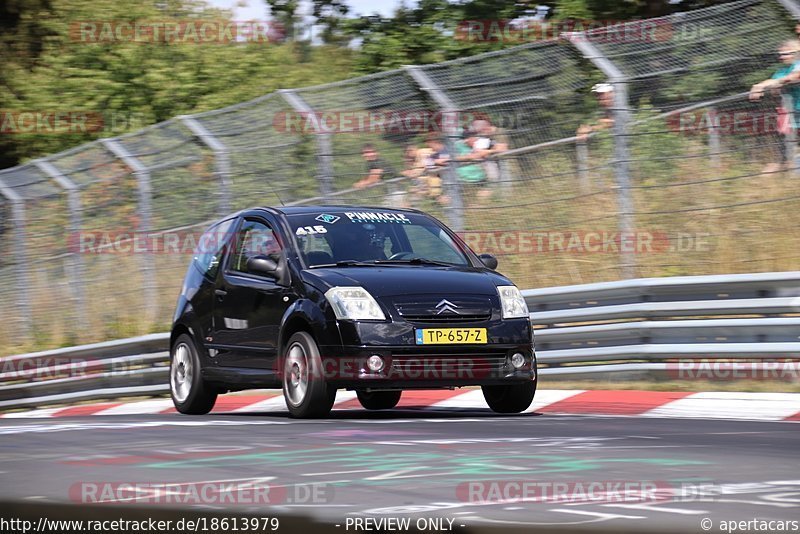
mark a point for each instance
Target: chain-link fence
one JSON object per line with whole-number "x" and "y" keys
{"x": 666, "y": 168}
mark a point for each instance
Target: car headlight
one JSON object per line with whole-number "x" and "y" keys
{"x": 354, "y": 303}
{"x": 512, "y": 302}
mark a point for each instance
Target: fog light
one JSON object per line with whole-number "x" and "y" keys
{"x": 375, "y": 363}
{"x": 517, "y": 360}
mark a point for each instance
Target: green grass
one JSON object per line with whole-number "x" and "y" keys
{"x": 732, "y": 218}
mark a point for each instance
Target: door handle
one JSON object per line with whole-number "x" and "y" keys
{"x": 220, "y": 292}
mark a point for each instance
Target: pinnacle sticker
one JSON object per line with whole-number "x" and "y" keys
{"x": 326, "y": 218}
{"x": 380, "y": 217}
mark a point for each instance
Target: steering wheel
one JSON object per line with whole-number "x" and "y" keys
{"x": 402, "y": 255}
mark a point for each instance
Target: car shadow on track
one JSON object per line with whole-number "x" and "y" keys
{"x": 395, "y": 413}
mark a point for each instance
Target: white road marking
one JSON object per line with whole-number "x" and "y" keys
{"x": 657, "y": 508}
{"x": 44, "y": 412}
{"x": 551, "y": 396}
{"x": 123, "y": 425}
{"x": 468, "y": 399}
{"x": 273, "y": 404}
{"x": 141, "y": 407}
{"x": 336, "y": 473}
{"x": 731, "y": 405}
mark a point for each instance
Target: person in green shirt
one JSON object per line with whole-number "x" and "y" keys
{"x": 465, "y": 151}
{"x": 788, "y": 75}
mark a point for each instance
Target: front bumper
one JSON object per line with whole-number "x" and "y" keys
{"x": 411, "y": 366}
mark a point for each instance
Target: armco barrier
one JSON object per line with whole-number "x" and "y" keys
{"x": 728, "y": 317}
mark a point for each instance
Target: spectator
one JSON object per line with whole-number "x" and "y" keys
{"x": 789, "y": 55}
{"x": 487, "y": 133}
{"x": 438, "y": 156}
{"x": 436, "y": 160}
{"x": 465, "y": 152}
{"x": 605, "y": 97}
{"x": 416, "y": 168}
{"x": 375, "y": 167}
{"x": 472, "y": 173}
{"x": 486, "y": 142}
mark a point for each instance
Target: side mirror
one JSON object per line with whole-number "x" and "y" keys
{"x": 488, "y": 260}
{"x": 262, "y": 265}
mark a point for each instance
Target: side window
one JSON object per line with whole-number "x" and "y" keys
{"x": 255, "y": 238}
{"x": 211, "y": 248}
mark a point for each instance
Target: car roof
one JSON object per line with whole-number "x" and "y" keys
{"x": 304, "y": 210}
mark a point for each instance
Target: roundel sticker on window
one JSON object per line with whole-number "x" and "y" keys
{"x": 326, "y": 218}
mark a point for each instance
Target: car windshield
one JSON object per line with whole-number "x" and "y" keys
{"x": 361, "y": 238}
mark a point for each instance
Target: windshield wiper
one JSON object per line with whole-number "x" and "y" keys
{"x": 345, "y": 263}
{"x": 418, "y": 261}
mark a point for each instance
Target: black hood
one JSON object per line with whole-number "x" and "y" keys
{"x": 388, "y": 281}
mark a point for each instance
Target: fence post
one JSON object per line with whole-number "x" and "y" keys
{"x": 20, "y": 253}
{"x": 142, "y": 174}
{"x": 323, "y": 142}
{"x": 582, "y": 157}
{"x": 792, "y": 7}
{"x": 76, "y": 267}
{"x": 222, "y": 161}
{"x": 713, "y": 139}
{"x": 790, "y": 139}
{"x": 621, "y": 112}
{"x": 455, "y": 209}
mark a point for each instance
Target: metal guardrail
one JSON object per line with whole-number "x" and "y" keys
{"x": 721, "y": 318}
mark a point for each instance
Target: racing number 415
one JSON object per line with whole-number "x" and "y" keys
{"x": 311, "y": 230}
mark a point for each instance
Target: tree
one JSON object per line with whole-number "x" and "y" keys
{"x": 134, "y": 84}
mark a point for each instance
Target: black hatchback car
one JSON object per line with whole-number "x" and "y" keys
{"x": 376, "y": 300}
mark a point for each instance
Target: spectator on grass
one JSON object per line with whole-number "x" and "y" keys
{"x": 470, "y": 157}
{"x": 787, "y": 75}
{"x": 376, "y": 168}
{"x": 423, "y": 183}
{"x": 465, "y": 153}
{"x": 605, "y": 97}
{"x": 487, "y": 137}
{"x": 487, "y": 142}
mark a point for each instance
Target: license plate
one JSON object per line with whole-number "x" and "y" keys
{"x": 449, "y": 336}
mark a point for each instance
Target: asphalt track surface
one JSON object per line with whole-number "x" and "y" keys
{"x": 415, "y": 463}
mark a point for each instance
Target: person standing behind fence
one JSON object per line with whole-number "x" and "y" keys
{"x": 472, "y": 174}
{"x": 487, "y": 143}
{"x": 789, "y": 73}
{"x": 377, "y": 169}
{"x": 605, "y": 97}
{"x": 415, "y": 162}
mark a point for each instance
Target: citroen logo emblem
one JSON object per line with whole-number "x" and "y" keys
{"x": 446, "y": 306}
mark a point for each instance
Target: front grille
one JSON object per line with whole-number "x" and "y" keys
{"x": 449, "y": 318}
{"x": 461, "y": 367}
{"x": 441, "y": 310}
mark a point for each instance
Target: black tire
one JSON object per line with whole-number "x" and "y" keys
{"x": 510, "y": 399}
{"x": 190, "y": 393}
{"x": 302, "y": 363}
{"x": 379, "y": 400}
